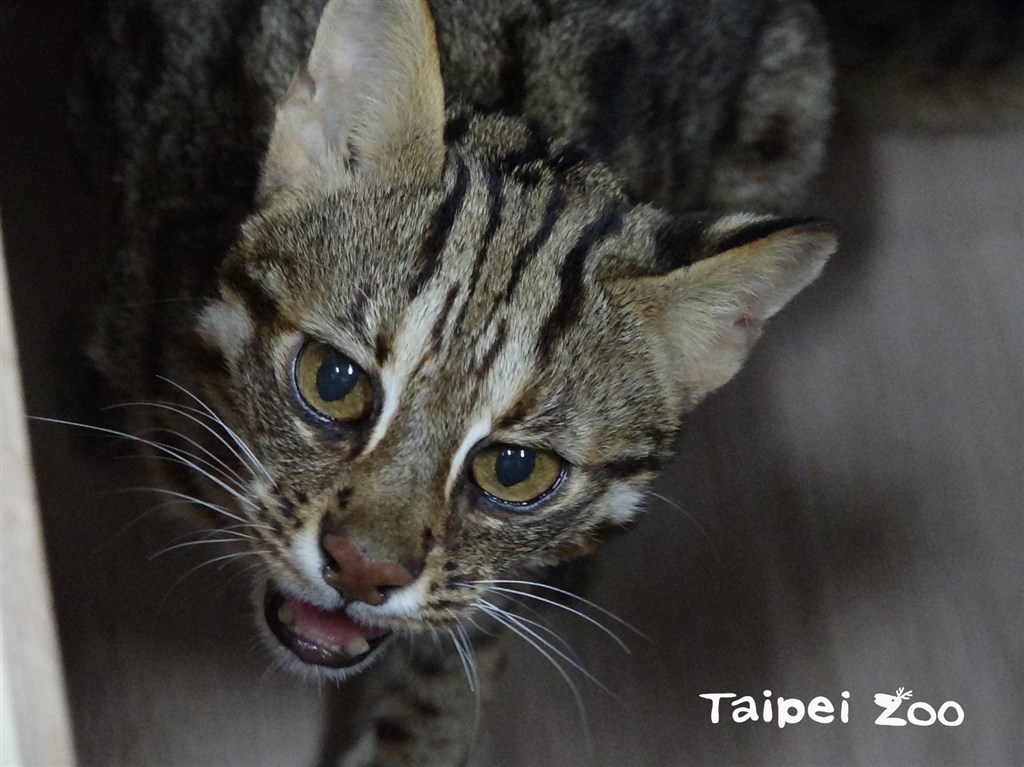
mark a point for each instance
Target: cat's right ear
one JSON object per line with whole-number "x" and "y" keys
{"x": 370, "y": 100}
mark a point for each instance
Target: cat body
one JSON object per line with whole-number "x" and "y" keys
{"x": 424, "y": 312}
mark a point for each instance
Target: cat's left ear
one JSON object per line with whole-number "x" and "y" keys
{"x": 370, "y": 98}
{"x": 704, "y": 318}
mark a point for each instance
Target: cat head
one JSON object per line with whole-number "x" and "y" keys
{"x": 453, "y": 346}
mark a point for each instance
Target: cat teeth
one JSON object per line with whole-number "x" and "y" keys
{"x": 357, "y": 646}
{"x": 353, "y": 648}
{"x": 286, "y": 614}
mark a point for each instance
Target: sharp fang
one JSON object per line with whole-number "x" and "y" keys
{"x": 357, "y": 646}
{"x": 286, "y": 614}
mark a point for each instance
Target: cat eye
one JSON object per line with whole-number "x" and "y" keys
{"x": 512, "y": 474}
{"x": 331, "y": 384}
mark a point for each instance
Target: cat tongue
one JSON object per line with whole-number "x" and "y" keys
{"x": 327, "y": 628}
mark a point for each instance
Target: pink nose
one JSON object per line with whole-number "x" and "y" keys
{"x": 355, "y": 578}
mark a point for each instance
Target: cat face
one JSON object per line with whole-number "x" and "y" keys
{"x": 426, "y": 396}
{"x": 457, "y": 351}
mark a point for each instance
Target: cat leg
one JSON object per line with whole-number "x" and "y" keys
{"x": 424, "y": 712}
{"x": 775, "y": 143}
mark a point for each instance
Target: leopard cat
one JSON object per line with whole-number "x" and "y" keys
{"x": 419, "y": 293}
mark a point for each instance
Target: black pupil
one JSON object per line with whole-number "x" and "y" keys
{"x": 336, "y": 377}
{"x": 514, "y": 465}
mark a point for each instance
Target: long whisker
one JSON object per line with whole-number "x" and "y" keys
{"x": 127, "y": 527}
{"x": 186, "y": 462}
{"x": 678, "y": 507}
{"x": 494, "y": 611}
{"x": 503, "y": 619}
{"x": 205, "y": 467}
{"x": 215, "y": 463}
{"x": 230, "y": 432}
{"x": 223, "y": 558}
{"x": 477, "y": 704}
{"x": 541, "y": 626}
{"x": 165, "y": 449}
{"x": 593, "y": 621}
{"x": 233, "y": 531}
{"x": 188, "y": 544}
{"x": 457, "y": 642}
{"x": 200, "y": 418}
{"x": 471, "y": 655}
{"x": 217, "y": 508}
{"x": 563, "y": 592}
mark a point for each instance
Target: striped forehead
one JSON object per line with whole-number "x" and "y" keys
{"x": 499, "y": 276}
{"x": 495, "y": 278}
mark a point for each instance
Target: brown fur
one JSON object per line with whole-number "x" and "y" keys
{"x": 496, "y": 282}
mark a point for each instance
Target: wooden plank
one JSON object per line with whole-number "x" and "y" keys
{"x": 34, "y": 714}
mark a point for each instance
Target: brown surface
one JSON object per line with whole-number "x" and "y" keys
{"x": 847, "y": 515}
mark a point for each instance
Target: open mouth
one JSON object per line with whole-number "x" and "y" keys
{"x": 316, "y": 636}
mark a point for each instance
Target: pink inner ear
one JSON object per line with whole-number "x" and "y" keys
{"x": 752, "y": 328}
{"x": 298, "y": 140}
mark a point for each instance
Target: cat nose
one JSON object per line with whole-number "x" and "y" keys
{"x": 353, "y": 577}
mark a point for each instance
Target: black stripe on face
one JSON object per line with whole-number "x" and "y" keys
{"x": 437, "y": 331}
{"x": 382, "y": 348}
{"x": 441, "y": 227}
{"x": 760, "y": 229}
{"x": 492, "y": 353}
{"x": 355, "y": 318}
{"x": 262, "y": 305}
{"x": 570, "y": 296}
{"x": 210, "y": 361}
{"x": 555, "y": 206}
{"x": 624, "y": 469}
{"x": 495, "y": 191}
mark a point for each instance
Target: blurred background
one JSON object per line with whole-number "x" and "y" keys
{"x": 847, "y": 515}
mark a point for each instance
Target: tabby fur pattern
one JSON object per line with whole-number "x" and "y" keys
{"x": 516, "y": 217}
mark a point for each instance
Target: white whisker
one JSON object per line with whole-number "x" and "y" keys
{"x": 165, "y": 449}
{"x": 678, "y": 507}
{"x": 494, "y": 611}
{"x": 200, "y": 418}
{"x": 477, "y": 701}
{"x": 215, "y": 462}
{"x": 537, "y": 624}
{"x": 231, "y": 432}
{"x": 188, "y": 544}
{"x": 463, "y": 657}
{"x": 593, "y": 621}
{"x": 563, "y": 592}
{"x": 471, "y": 656}
{"x": 217, "y": 508}
{"x": 223, "y": 558}
{"x": 504, "y": 619}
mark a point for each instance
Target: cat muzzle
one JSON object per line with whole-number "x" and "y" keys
{"x": 356, "y": 578}
{"x": 319, "y": 637}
